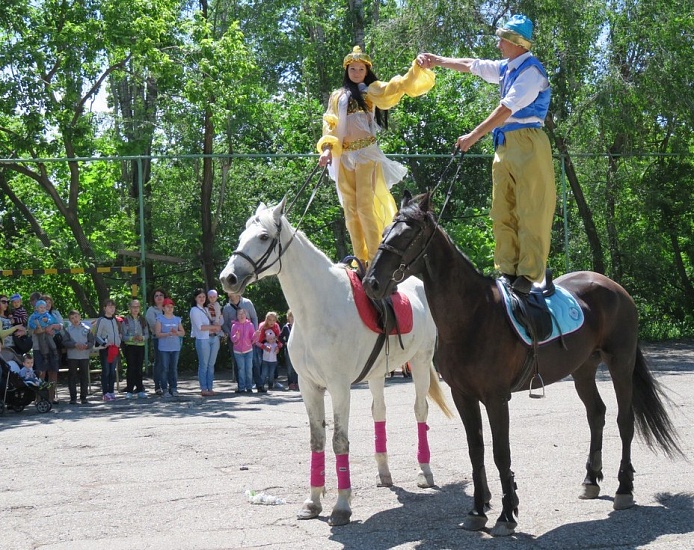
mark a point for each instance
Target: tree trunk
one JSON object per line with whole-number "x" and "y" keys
{"x": 208, "y": 268}
{"x": 71, "y": 217}
{"x": 137, "y": 105}
{"x": 611, "y": 192}
{"x": 583, "y": 208}
{"x": 356, "y": 8}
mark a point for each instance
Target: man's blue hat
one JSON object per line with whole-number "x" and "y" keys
{"x": 518, "y": 30}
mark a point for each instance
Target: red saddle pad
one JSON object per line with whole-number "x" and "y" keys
{"x": 368, "y": 313}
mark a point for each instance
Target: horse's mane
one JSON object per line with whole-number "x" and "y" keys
{"x": 413, "y": 210}
{"x": 266, "y": 220}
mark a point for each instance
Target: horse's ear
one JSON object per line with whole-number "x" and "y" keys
{"x": 260, "y": 208}
{"x": 278, "y": 212}
{"x": 406, "y": 198}
{"x": 425, "y": 203}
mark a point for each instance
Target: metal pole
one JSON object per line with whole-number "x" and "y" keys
{"x": 143, "y": 251}
{"x": 567, "y": 263}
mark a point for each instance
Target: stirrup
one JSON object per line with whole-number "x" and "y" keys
{"x": 541, "y": 385}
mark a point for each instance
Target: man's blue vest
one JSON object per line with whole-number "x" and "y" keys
{"x": 537, "y": 108}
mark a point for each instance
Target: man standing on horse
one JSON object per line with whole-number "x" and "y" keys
{"x": 523, "y": 194}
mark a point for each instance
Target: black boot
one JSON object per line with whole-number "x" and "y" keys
{"x": 522, "y": 285}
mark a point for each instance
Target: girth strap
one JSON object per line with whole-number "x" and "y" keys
{"x": 388, "y": 321}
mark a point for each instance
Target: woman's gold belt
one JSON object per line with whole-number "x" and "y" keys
{"x": 358, "y": 143}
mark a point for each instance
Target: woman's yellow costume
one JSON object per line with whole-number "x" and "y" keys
{"x": 361, "y": 171}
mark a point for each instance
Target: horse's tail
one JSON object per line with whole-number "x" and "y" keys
{"x": 652, "y": 420}
{"x": 436, "y": 394}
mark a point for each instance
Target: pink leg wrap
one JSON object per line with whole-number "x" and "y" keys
{"x": 423, "y": 454}
{"x": 342, "y": 467}
{"x": 317, "y": 469}
{"x": 380, "y": 431}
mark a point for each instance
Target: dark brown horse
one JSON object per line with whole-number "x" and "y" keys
{"x": 482, "y": 359}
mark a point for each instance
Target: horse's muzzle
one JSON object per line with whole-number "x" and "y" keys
{"x": 372, "y": 287}
{"x": 230, "y": 282}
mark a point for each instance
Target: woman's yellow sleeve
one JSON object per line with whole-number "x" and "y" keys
{"x": 415, "y": 82}
{"x": 330, "y": 120}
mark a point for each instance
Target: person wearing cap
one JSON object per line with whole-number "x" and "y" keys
{"x": 19, "y": 313}
{"x": 524, "y": 193}
{"x": 214, "y": 309}
{"x": 8, "y": 329}
{"x": 42, "y": 324}
{"x": 363, "y": 174}
{"x": 169, "y": 331}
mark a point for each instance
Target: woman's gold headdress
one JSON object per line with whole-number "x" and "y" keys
{"x": 356, "y": 55}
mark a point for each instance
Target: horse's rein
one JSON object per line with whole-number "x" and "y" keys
{"x": 399, "y": 274}
{"x": 453, "y": 179}
{"x": 259, "y": 266}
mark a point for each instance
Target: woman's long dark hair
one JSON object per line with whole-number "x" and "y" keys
{"x": 353, "y": 89}
{"x": 195, "y": 295}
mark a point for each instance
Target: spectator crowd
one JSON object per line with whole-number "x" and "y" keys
{"x": 38, "y": 337}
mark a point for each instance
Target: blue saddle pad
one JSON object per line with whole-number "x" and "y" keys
{"x": 567, "y": 314}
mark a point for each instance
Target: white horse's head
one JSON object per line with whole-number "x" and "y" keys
{"x": 260, "y": 248}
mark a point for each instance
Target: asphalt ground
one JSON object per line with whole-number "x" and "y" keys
{"x": 155, "y": 474}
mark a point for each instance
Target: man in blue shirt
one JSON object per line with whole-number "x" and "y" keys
{"x": 524, "y": 193}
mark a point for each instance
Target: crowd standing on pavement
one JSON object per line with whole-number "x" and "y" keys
{"x": 37, "y": 337}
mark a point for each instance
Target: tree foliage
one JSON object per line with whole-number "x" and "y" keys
{"x": 229, "y": 79}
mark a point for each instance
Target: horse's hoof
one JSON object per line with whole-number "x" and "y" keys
{"x": 590, "y": 491}
{"x": 309, "y": 511}
{"x": 474, "y": 522}
{"x": 385, "y": 481}
{"x": 622, "y": 502}
{"x": 339, "y": 517}
{"x": 504, "y": 528}
{"x": 425, "y": 480}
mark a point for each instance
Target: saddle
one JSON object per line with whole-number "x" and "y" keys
{"x": 392, "y": 315}
{"x": 531, "y": 311}
{"x": 389, "y": 316}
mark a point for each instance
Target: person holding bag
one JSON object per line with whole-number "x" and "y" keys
{"x": 108, "y": 332}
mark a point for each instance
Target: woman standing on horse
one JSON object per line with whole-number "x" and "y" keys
{"x": 364, "y": 176}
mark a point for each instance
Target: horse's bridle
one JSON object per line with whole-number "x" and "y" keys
{"x": 399, "y": 274}
{"x": 260, "y": 266}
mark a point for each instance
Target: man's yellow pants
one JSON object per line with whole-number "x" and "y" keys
{"x": 523, "y": 203}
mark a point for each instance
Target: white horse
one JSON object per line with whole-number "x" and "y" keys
{"x": 330, "y": 345}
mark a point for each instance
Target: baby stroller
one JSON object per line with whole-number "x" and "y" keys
{"x": 16, "y": 393}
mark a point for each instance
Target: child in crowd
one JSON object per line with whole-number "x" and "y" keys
{"x": 269, "y": 365}
{"x": 269, "y": 323}
{"x": 108, "y": 330}
{"x": 19, "y": 313}
{"x": 214, "y": 310}
{"x": 43, "y": 326}
{"x": 40, "y": 318}
{"x": 242, "y": 336}
{"x": 169, "y": 330}
{"x": 78, "y": 341}
{"x": 27, "y": 371}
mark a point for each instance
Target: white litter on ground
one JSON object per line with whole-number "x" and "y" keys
{"x": 262, "y": 498}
